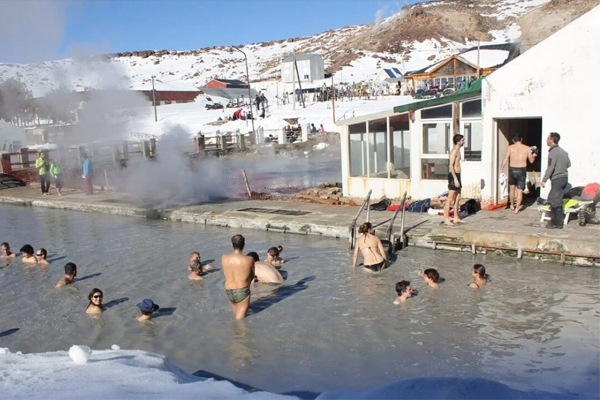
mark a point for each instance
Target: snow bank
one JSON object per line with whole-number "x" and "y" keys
{"x": 136, "y": 374}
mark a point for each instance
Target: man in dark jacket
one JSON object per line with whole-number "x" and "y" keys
{"x": 557, "y": 172}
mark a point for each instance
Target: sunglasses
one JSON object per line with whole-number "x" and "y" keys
{"x": 39, "y": 255}
{"x": 96, "y": 297}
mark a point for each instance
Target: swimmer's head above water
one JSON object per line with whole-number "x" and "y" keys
{"x": 479, "y": 271}
{"x": 254, "y": 255}
{"x": 431, "y": 274}
{"x": 404, "y": 291}
{"x": 27, "y": 250}
{"x": 95, "y": 305}
{"x": 366, "y": 227}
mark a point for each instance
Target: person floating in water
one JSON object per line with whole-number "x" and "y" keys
{"x": 273, "y": 256}
{"x": 239, "y": 274}
{"x": 196, "y": 259}
{"x": 265, "y": 272}
{"x": 404, "y": 291}
{"x": 69, "y": 276}
{"x": 27, "y": 254}
{"x": 147, "y": 307}
{"x": 6, "y": 253}
{"x": 431, "y": 276}
{"x": 41, "y": 255}
{"x": 372, "y": 249}
{"x": 479, "y": 276}
{"x": 95, "y": 304}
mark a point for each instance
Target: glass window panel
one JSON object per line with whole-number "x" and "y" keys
{"x": 378, "y": 148}
{"x": 471, "y": 109}
{"x": 437, "y": 112}
{"x": 434, "y": 168}
{"x": 473, "y": 132}
{"x": 436, "y": 138}
{"x": 358, "y": 155}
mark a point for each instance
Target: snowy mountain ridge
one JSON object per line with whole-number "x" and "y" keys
{"x": 416, "y": 36}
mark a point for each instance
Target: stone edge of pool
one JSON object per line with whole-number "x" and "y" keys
{"x": 568, "y": 246}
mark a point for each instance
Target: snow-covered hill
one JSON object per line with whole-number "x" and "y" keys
{"x": 416, "y": 36}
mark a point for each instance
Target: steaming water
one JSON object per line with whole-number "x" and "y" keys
{"x": 535, "y": 326}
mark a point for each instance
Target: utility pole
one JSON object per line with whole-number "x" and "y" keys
{"x": 332, "y": 84}
{"x": 478, "y": 59}
{"x": 249, "y": 93}
{"x": 154, "y": 100}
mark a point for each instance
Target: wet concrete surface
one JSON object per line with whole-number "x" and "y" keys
{"x": 501, "y": 230}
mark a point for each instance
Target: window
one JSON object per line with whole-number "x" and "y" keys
{"x": 473, "y": 132}
{"x": 305, "y": 76}
{"x": 471, "y": 109}
{"x": 400, "y": 142}
{"x": 358, "y": 149}
{"x": 436, "y": 138}
{"x": 437, "y": 112}
{"x": 378, "y": 148}
{"x": 435, "y": 168}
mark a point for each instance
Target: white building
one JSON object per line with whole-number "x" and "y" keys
{"x": 12, "y": 138}
{"x": 310, "y": 68}
{"x": 547, "y": 89}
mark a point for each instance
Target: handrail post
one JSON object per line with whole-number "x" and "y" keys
{"x": 391, "y": 227}
{"x": 353, "y": 224}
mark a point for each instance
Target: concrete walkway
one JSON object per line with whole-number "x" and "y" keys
{"x": 500, "y": 230}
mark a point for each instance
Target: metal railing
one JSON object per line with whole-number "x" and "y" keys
{"x": 390, "y": 228}
{"x": 353, "y": 224}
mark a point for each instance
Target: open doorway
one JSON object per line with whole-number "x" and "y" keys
{"x": 530, "y": 130}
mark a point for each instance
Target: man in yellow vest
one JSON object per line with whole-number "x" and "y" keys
{"x": 41, "y": 164}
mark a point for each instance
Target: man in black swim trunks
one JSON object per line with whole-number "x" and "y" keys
{"x": 454, "y": 182}
{"x": 239, "y": 274}
{"x": 517, "y": 156}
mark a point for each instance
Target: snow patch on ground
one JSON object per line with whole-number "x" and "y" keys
{"x": 136, "y": 374}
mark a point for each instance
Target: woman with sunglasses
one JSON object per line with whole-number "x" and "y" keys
{"x": 95, "y": 304}
{"x": 41, "y": 255}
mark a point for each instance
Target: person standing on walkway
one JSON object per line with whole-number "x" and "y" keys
{"x": 56, "y": 172}
{"x": 41, "y": 164}
{"x": 517, "y": 156}
{"x": 88, "y": 172}
{"x": 557, "y": 172}
{"x": 454, "y": 182}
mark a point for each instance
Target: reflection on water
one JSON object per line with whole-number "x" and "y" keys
{"x": 535, "y": 326}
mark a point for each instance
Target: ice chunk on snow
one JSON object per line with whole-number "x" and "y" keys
{"x": 80, "y": 354}
{"x": 4, "y": 351}
{"x": 115, "y": 347}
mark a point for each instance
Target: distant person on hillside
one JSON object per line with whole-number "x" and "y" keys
{"x": 265, "y": 272}
{"x": 41, "y": 164}
{"x": 69, "y": 276}
{"x": 517, "y": 156}
{"x": 374, "y": 255}
{"x": 431, "y": 276}
{"x": 147, "y": 307}
{"x": 27, "y": 254}
{"x": 321, "y": 129}
{"x": 6, "y": 253}
{"x": 41, "y": 255}
{"x": 404, "y": 292}
{"x": 313, "y": 128}
{"x": 257, "y": 103}
{"x": 273, "y": 256}
{"x": 88, "y": 172}
{"x": 239, "y": 274}
{"x": 56, "y": 173}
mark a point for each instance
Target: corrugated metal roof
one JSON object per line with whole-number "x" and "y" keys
{"x": 229, "y": 93}
{"x": 171, "y": 95}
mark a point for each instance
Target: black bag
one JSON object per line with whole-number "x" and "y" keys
{"x": 381, "y": 206}
{"x": 470, "y": 207}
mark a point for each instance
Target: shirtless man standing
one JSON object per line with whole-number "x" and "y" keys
{"x": 454, "y": 182}
{"x": 239, "y": 273}
{"x": 516, "y": 157}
